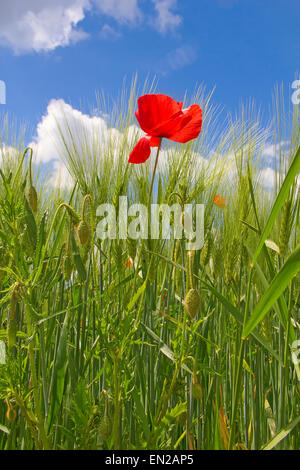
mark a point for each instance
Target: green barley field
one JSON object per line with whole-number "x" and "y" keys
{"x": 144, "y": 344}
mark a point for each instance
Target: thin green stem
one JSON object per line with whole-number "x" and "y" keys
{"x": 35, "y": 382}
{"x": 30, "y": 165}
{"x": 154, "y": 171}
{"x": 238, "y": 375}
{"x": 29, "y": 420}
{"x": 285, "y": 370}
{"x": 117, "y": 405}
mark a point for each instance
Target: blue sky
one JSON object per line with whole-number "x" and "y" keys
{"x": 69, "y": 49}
{"x": 59, "y": 52}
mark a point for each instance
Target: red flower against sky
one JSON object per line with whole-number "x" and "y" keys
{"x": 160, "y": 116}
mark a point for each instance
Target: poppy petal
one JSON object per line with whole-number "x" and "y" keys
{"x": 190, "y": 125}
{"x": 155, "y": 110}
{"x": 169, "y": 127}
{"x": 154, "y": 141}
{"x": 141, "y": 152}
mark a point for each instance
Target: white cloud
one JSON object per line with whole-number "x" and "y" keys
{"x": 87, "y": 137}
{"x": 272, "y": 150}
{"x": 77, "y": 128}
{"x": 123, "y": 11}
{"x": 269, "y": 178}
{"x": 43, "y": 25}
{"x": 61, "y": 177}
{"x": 7, "y": 154}
{"x": 166, "y": 19}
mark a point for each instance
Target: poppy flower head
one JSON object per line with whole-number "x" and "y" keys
{"x": 160, "y": 116}
{"x": 156, "y": 114}
{"x": 219, "y": 201}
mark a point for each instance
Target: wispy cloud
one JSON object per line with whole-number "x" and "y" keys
{"x": 178, "y": 58}
{"x": 108, "y": 32}
{"x": 166, "y": 19}
{"x": 181, "y": 57}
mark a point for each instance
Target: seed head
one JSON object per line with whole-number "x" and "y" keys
{"x": 83, "y": 232}
{"x": 105, "y": 427}
{"x": 192, "y": 302}
{"x": 32, "y": 198}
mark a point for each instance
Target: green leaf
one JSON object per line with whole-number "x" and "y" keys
{"x": 136, "y": 297}
{"x": 2, "y": 352}
{"x": 59, "y": 374}
{"x": 41, "y": 240}
{"x": 239, "y": 318}
{"x": 77, "y": 260}
{"x": 140, "y": 412}
{"x": 165, "y": 349}
{"x": 4, "y": 429}
{"x": 6, "y": 186}
{"x": 176, "y": 411}
{"x": 31, "y": 224}
{"x": 280, "y": 306}
{"x": 290, "y": 268}
{"x": 281, "y": 435}
{"x": 282, "y": 195}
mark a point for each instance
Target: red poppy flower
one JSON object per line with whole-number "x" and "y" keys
{"x": 160, "y": 116}
{"x": 219, "y": 201}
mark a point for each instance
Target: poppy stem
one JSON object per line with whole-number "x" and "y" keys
{"x": 154, "y": 171}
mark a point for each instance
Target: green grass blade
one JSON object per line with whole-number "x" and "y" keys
{"x": 281, "y": 435}
{"x": 77, "y": 260}
{"x": 231, "y": 308}
{"x": 4, "y": 429}
{"x": 276, "y": 288}
{"x": 280, "y": 306}
{"x": 41, "y": 240}
{"x": 283, "y": 193}
{"x": 165, "y": 349}
{"x": 59, "y": 375}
